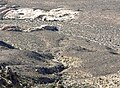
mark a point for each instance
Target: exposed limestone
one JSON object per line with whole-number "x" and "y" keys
{"x": 59, "y": 14}
{"x": 23, "y": 13}
{"x": 9, "y": 27}
{"x": 16, "y": 12}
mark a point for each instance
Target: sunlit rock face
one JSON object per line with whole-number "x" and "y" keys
{"x": 23, "y": 13}
{"x": 59, "y": 14}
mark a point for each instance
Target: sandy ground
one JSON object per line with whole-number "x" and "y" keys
{"x": 84, "y": 53}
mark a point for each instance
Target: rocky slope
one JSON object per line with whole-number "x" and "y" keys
{"x": 60, "y": 43}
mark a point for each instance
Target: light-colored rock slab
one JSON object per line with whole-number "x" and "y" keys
{"x": 59, "y": 14}
{"x": 23, "y": 13}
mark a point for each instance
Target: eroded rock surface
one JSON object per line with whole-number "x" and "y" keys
{"x": 67, "y": 43}
{"x": 59, "y": 14}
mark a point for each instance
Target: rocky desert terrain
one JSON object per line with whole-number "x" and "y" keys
{"x": 59, "y": 43}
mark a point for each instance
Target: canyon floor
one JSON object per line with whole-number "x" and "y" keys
{"x": 78, "y": 48}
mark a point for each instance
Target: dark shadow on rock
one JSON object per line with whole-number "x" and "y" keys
{"x": 51, "y": 70}
{"x": 47, "y": 56}
{"x": 111, "y": 50}
{"x": 4, "y": 45}
{"x": 51, "y": 28}
{"x": 39, "y": 17}
{"x": 39, "y": 56}
{"x": 12, "y": 28}
{"x": 115, "y": 53}
{"x": 45, "y": 80}
{"x": 78, "y": 49}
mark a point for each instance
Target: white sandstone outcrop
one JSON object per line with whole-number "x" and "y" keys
{"x": 23, "y": 13}
{"x": 59, "y": 14}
